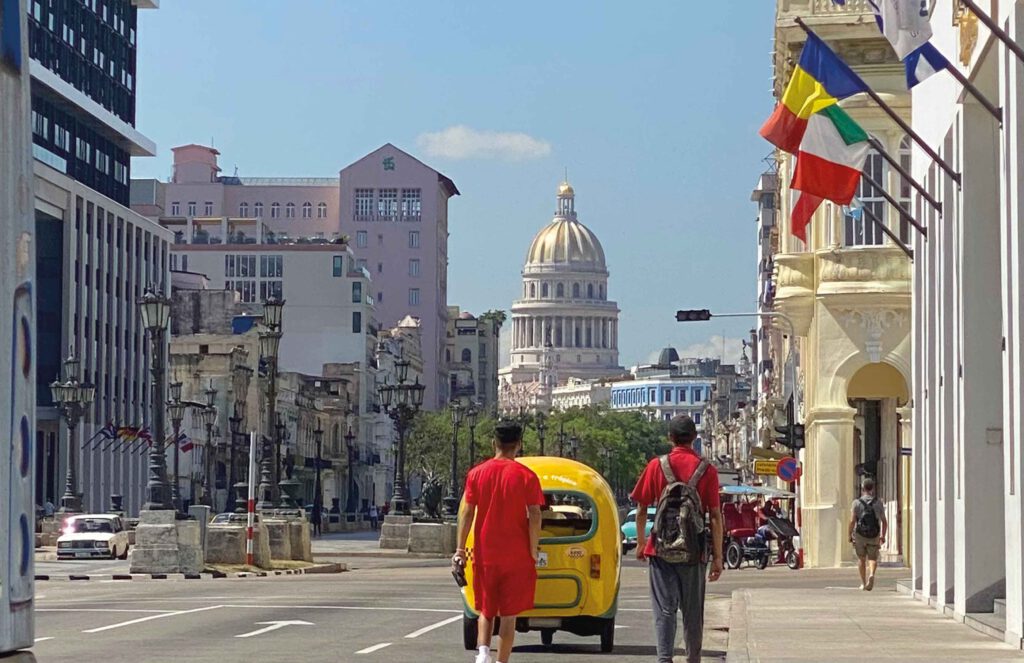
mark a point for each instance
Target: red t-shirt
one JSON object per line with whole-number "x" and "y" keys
{"x": 502, "y": 489}
{"x": 684, "y": 462}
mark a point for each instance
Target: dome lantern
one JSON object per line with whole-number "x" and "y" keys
{"x": 566, "y": 201}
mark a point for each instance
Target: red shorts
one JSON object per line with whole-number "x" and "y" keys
{"x": 503, "y": 590}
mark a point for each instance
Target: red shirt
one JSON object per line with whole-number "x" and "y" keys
{"x": 684, "y": 462}
{"x": 502, "y": 490}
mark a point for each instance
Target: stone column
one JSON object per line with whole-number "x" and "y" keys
{"x": 828, "y": 488}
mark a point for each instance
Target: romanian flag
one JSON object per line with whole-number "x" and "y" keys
{"x": 819, "y": 81}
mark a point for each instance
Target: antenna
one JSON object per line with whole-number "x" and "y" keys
{"x": 566, "y": 174}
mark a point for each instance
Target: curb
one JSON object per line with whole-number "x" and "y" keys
{"x": 317, "y": 569}
{"x": 739, "y": 634}
{"x": 380, "y": 554}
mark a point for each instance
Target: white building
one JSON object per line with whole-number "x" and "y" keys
{"x": 669, "y": 388}
{"x": 577, "y": 392}
{"x": 968, "y": 468}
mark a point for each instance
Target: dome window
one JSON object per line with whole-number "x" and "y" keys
{"x": 590, "y": 291}
{"x": 560, "y": 290}
{"x": 576, "y": 290}
{"x": 533, "y": 291}
{"x": 544, "y": 290}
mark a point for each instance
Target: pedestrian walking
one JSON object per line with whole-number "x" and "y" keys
{"x": 318, "y": 518}
{"x": 867, "y": 530}
{"x": 374, "y": 516}
{"x": 684, "y": 487}
{"x": 502, "y": 502}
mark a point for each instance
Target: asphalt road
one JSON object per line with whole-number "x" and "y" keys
{"x": 382, "y": 610}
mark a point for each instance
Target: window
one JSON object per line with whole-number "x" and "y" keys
{"x": 361, "y": 239}
{"x": 653, "y": 396}
{"x": 380, "y": 297}
{"x": 357, "y": 322}
{"x": 357, "y": 292}
{"x": 361, "y": 263}
{"x": 192, "y": 208}
{"x": 905, "y": 196}
{"x": 270, "y": 289}
{"x": 289, "y": 211}
{"x": 175, "y": 208}
{"x": 271, "y": 266}
{"x": 544, "y": 290}
{"x": 414, "y": 296}
{"x": 696, "y": 418}
{"x": 860, "y": 230}
{"x": 414, "y": 267}
{"x": 411, "y": 204}
{"x": 380, "y": 268}
{"x": 275, "y": 210}
{"x": 246, "y": 290}
{"x": 698, "y": 393}
{"x": 575, "y": 290}
{"x": 380, "y": 239}
{"x": 467, "y": 356}
{"x": 590, "y": 291}
{"x": 387, "y": 203}
{"x": 533, "y": 290}
{"x": 414, "y": 239}
{"x": 257, "y": 210}
{"x": 667, "y": 396}
{"x": 600, "y": 292}
{"x": 243, "y": 210}
{"x": 560, "y": 290}
{"x": 321, "y": 210}
{"x": 307, "y": 210}
{"x": 208, "y": 208}
{"x": 682, "y": 395}
{"x": 364, "y": 204}
{"x": 337, "y": 265}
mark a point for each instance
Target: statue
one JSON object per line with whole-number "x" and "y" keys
{"x": 432, "y": 497}
{"x": 289, "y": 463}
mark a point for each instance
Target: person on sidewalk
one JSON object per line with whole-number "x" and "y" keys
{"x": 502, "y": 502}
{"x": 374, "y": 516}
{"x": 678, "y": 564}
{"x": 867, "y": 530}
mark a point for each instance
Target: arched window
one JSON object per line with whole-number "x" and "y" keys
{"x": 307, "y": 210}
{"x": 448, "y": 355}
{"x": 243, "y": 209}
{"x": 275, "y": 210}
{"x": 544, "y": 290}
{"x": 859, "y": 229}
{"x": 289, "y": 211}
{"x": 590, "y": 291}
{"x": 533, "y": 291}
{"x": 575, "y": 290}
{"x": 905, "y": 196}
{"x": 600, "y": 292}
{"x": 467, "y": 356}
{"x": 257, "y": 210}
{"x": 560, "y": 290}
{"x": 321, "y": 211}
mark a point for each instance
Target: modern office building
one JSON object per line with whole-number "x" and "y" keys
{"x": 94, "y": 255}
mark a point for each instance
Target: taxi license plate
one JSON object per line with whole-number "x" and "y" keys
{"x": 542, "y": 560}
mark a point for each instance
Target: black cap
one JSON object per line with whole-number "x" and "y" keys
{"x": 682, "y": 428}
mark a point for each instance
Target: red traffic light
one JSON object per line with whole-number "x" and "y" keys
{"x": 693, "y": 315}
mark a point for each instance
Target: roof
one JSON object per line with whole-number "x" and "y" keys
{"x": 446, "y": 182}
{"x": 184, "y": 147}
{"x": 281, "y": 181}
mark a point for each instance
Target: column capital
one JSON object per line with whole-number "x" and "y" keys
{"x": 830, "y": 415}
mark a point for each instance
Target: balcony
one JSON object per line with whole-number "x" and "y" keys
{"x": 806, "y": 8}
{"x": 794, "y": 283}
{"x": 864, "y": 272}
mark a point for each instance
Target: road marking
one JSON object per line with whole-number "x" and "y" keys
{"x": 620, "y": 626}
{"x": 151, "y": 617}
{"x": 428, "y": 629}
{"x": 38, "y": 640}
{"x": 273, "y": 626}
{"x": 98, "y": 610}
{"x": 370, "y": 650}
{"x": 348, "y": 607}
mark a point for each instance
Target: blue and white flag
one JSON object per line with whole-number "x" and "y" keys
{"x": 924, "y": 62}
{"x": 905, "y": 23}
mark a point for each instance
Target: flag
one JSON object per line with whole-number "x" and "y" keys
{"x": 145, "y": 434}
{"x": 803, "y": 209}
{"x": 184, "y": 442}
{"x": 819, "y": 81}
{"x": 904, "y": 23}
{"x": 128, "y": 433}
{"x": 108, "y": 432}
{"x": 924, "y": 62}
{"x": 831, "y": 156}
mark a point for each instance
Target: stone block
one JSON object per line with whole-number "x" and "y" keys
{"x": 301, "y": 545}
{"x": 167, "y": 545}
{"x": 438, "y": 538}
{"x": 280, "y": 540}
{"x": 225, "y": 544}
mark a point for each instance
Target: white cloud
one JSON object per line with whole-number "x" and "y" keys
{"x": 462, "y": 142}
{"x": 713, "y": 348}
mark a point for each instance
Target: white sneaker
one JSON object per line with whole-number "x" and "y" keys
{"x": 861, "y": 588}
{"x": 484, "y": 657}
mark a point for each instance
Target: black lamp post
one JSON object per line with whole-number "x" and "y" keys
{"x": 72, "y": 397}
{"x": 351, "y": 506}
{"x": 574, "y": 446}
{"x": 318, "y": 492}
{"x": 270, "y": 344}
{"x": 176, "y": 408}
{"x": 401, "y": 402}
{"x": 155, "y": 313}
{"x": 236, "y": 430}
{"x": 283, "y": 500}
{"x": 472, "y": 414}
{"x": 451, "y": 502}
{"x": 208, "y": 415}
{"x": 561, "y": 439}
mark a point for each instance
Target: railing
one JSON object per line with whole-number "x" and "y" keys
{"x": 823, "y": 8}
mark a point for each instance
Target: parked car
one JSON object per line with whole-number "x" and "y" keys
{"x": 233, "y": 519}
{"x": 93, "y": 535}
{"x": 629, "y": 528}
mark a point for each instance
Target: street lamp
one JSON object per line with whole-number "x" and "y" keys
{"x": 574, "y": 446}
{"x": 401, "y": 402}
{"x": 350, "y": 506}
{"x": 561, "y": 438}
{"x": 318, "y": 493}
{"x": 451, "y": 502}
{"x": 72, "y": 397}
{"x": 155, "y": 312}
{"x": 270, "y": 345}
{"x": 176, "y": 409}
{"x": 283, "y": 499}
{"x": 208, "y": 416}
{"x": 472, "y": 414}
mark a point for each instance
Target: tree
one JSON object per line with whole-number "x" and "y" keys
{"x": 497, "y": 315}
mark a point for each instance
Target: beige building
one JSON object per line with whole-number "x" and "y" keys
{"x": 847, "y": 292}
{"x": 472, "y": 356}
{"x": 577, "y": 392}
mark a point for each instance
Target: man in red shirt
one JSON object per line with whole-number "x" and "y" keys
{"x": 503, "y": 501}
{"x": 676, "y": 587}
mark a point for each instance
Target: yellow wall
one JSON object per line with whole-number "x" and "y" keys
{"x": 878, "y": 381}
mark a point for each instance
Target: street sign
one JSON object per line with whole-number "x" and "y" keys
{"x": 788, "y": 469}
{"x": 767, "y": 467}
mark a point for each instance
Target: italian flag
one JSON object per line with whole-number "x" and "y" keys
{"x": 828, "y": 164}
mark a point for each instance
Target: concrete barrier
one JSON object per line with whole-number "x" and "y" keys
{"x": 167, "y": 545}
{"x": 225, "y": 544}
{"x": 301, "y": 546}
{"x": 280, "y": 539}
{"x": 394, "y": 533}
{"x": 432, "y": 538}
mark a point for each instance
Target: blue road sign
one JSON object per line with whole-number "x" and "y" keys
{"x": 788, "y": 469}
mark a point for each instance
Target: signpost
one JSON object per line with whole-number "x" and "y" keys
{"x": 788, "y": 469}
{"x": 766, "y": 467}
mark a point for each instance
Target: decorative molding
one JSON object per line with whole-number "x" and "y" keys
{"x": 967, "y": 26}
{"x": 874, "y": 322}
{"x": 864, "y": 266}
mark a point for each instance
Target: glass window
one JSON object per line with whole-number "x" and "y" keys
{"x": 364, "y": 204}
{"x": 175, "y": 208}
{"x": 357, "y": 322}
{"x": 668, "y": 396}
{"x": 192, "y": 208}
{"x": 270, "y": 289}
{"x": 243, "y": 210}
{"x": 905, "y": 195}
{"x": 307, "y": 210}
{"x": 682, "y": 395}
{"x": 275, "y": 210}
{"x": 361, "y": 239}
{"x": 387, "y": 203}
{"x": 321, "y": 211}
{"x": 414, "y": 239}
{"x": 544, "y": 290}
{"x": 576, "y": 290}
{"x": 361, "y": 263}
{"x": 698, "y": 394}
{"x": 411, "y": 203}
{"x": 337, "y": 264}
{"x": 208, "y": 208}
{"x": 257, "y": 210}
{"x": 696, "y": 418}
{"x": 590, "y": 291}
{"x": 560, "y": 290}
{"x": 467, "y": 355}
{"x": 289, "y": 211}
{"x": 357, "y": 292}
{"x": 414, "y": 296}
{"x": 271, "y": 266}
{"x": 860, "y": 229}
{"x": 414, "y": 267}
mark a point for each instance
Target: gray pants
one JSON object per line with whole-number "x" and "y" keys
{"x": 678, "y": 587}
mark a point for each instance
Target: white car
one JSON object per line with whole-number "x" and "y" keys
{"x": 93, "y": 535}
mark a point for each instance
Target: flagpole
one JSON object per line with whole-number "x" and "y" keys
{"x": 884, "y": 228}
{"x": 892, "y": 201}
{"x": 90, "y": 440}
{"x": 900, "y": 122}
{"x": 994, "y": 28}
{"x": 976, "y": 93}
{"x": 898, "y": 167}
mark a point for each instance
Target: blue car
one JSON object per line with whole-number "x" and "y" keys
{"x": 629, "y": 528}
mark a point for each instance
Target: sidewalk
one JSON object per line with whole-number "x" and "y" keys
{"x": 846, "y": 624}
{"x": 359, "y": 544}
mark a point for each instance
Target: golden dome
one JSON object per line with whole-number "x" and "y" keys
{"x": 565, "y": 189}
{"x": 566, "y": 242}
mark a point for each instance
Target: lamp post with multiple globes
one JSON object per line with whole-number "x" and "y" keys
{"x": 401, "y": 401}
{"x": 72, "y": 397}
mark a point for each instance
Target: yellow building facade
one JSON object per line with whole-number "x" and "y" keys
{"x": 847, "y": 291}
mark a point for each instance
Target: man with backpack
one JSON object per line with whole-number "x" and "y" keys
{"x": 867, "y": 530}
{"x": 684, "y": 487}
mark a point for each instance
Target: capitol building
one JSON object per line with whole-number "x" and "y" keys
{"x": 564, "y": 326}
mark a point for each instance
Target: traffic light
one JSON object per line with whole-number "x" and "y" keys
{"x": 693, "y": 315}
{"x": 791, "y": 434}
{"x": 798, "y": 437}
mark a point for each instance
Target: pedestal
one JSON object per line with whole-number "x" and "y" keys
{"x": 280, "y": 540}
{"x": 225, "y": 544}
{"x": 298, "y": 534}
{"x": 166, "y": 545}
{"x": 394, "y": 533}
{"x": 438, "y": 538}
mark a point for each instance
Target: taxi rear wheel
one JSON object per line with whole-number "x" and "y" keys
{"x": 608, "y": 636}
{"x": 469, "y": 626}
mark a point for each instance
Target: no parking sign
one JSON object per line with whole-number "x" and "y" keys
{"x": 788, "y": 469}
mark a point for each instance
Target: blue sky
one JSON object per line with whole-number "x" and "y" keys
{"x": 653, "y": 107}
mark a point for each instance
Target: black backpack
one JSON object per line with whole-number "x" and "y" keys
{"x": 679, "y": 517}
{"x": 868, "y": 525}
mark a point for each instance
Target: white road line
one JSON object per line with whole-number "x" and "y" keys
{"x": 370, "y": 650}
{"x": 345, "y": 607}
{"x": 98, "y": 610}
{"x": 38, "y": 640}
{"x": 273, "y": 626}
{"x": 150, "y": 618}
{"x": 428, "y": 629}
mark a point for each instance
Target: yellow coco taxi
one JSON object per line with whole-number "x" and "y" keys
{"x": 578, "y": 566}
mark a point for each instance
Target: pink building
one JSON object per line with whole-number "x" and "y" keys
{"x": 392, "y": 207}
